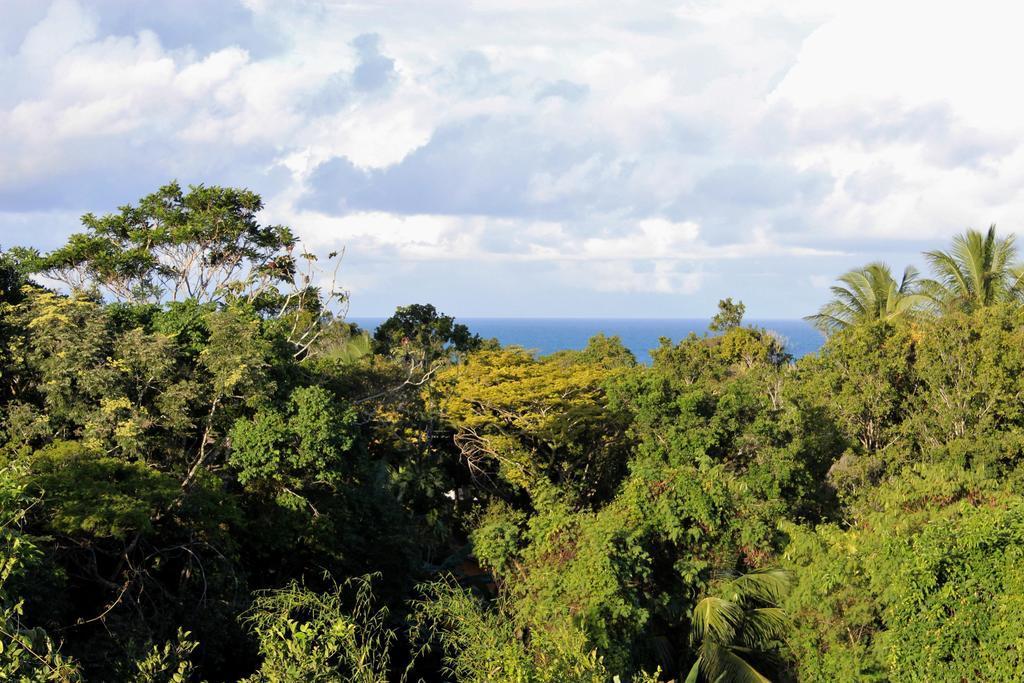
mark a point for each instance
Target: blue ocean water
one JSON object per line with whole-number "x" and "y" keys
{"x": 547, "y": 335}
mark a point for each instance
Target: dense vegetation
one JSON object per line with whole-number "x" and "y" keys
{"x": 207, "y": 474}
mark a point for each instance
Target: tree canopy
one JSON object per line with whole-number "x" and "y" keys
{"x": 979, "y": 270}
{"x": 868, "y": 294}
{"x": 208, "y": 474}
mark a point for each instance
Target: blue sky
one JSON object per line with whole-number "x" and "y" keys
{"x": 529, "y": 158}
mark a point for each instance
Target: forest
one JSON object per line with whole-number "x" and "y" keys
{"x": 207, "y": 474}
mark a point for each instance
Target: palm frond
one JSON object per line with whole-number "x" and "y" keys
{"x": 951, "y": 284}
{"x": 763, "y": 625}
{"x": 866, "y": 294}
{"x": 827, "y": 323}
{"x": 1015, "y": 281}
{"x": 764, "y": 585}
{"x": 694, "y": 675}
{"x": 720, "y": 664}
{"x": 979, "y": 270}
{"x": 716, "y": 619}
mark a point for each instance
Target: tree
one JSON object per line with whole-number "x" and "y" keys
{"x": 978, "y": 271}
{"x": 970, "y": 371}
{"x": 533, "y": 419}
{"x": 863, "y": 382}
{"x": 13, "y": 275}
{"x": 866, "y": 294}
{"x": 12, "y": 281}
{"x": 200, "y": 244}
{"x": 26, "y": 654}
{"x": 729, "y": 315}
{"x": 421, "y": 336}
{"x": 738, "y": 624}
{"x": 187, "y": 436}
{"x": 194, "y": 478}
{"x": 329, "y": 637}
{"x": 922, "y": 581}
{"x": 288, "y": 454}
{"x": 479, "y": 643}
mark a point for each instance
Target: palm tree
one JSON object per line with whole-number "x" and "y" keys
{"x": 866, "y": 294}
{"x": 978, "y": 271}
{"x": 741, "y": 619}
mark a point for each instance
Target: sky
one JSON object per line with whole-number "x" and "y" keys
{"x": 509, "y": 158}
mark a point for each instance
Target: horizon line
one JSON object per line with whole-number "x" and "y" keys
{"x": 577, "y": 317}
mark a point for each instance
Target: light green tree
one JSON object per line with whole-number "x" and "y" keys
{"x": 308, "y": 636}
{"x": 729, "y": 316}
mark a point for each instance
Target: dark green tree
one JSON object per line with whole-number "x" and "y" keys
{"x": 421, "y": 337}
{"x": 738, "y": 625}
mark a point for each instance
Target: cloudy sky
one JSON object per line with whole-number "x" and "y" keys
{"x": 532, "y": 157}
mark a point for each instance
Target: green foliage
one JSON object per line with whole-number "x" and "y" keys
{"x": 607, "y": 352}
{"x": 170, "y": 663}
{"x": 623, "y": 569}
{"x": 742, "y": 619}
{"x": 498, "y": 537}
{"x": 292, "y": 451}
{"x": 121, "y": 419}
{"x": 237, "y": 356}
{"x": 867, "y": 295}
{"x": 419, "y": 336}
{"x": 83, "y": 492}
{"x": 27, "y": 654}
{"x": 306, "y": 636}
{"x": 199, "y": 244}
{"x": 922, "y": 586}
{"x": 970, "y": 370}
{"x": 479, "y": 644}
{"x": 347, "y": 345}
{"x": 864, "y": 380}
{"x": 978, "y": 271}
{"x": 199, "y": 479}
{"x": 729, "y": 316}
{"x": 537, "y": 419}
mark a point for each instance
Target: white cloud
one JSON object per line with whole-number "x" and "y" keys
{"x": 65, "y": 25}
{"x": 196, "y": 79}
{"x": 878, "y": 85}
{"x": 622, "y": 276}
{"x": 652, "y": 238}
{"x": 634, "y": 147}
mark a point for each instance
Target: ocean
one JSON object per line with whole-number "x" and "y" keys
{"x": 547, "y": 335}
